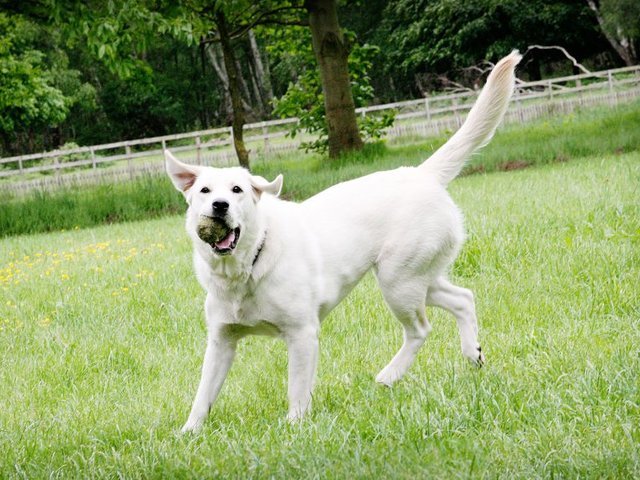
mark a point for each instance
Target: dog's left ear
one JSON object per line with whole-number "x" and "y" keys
{"x": 261, "y": 185}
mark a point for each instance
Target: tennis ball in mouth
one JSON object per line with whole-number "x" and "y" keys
{"x": 212, "y": 230}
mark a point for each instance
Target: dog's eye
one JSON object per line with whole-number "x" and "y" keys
{"x": 204, "y": 190}
{"x": 236, "y": 189}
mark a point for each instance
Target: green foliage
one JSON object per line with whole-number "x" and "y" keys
{"x": 172, "y": 91}
{"x": 101, "y": 71}
{"x": 304, "y": 98}
{"x": 146, "y": 80}
{"x": 116, "y": 32}
{"x": 372, "y": 126}
{"x": 150, "y": 56}
{"x": 426, "y": 38}
{"x": 39, "y": 89}
{"x": 622, "y": 18}
{"x": 28, "y": 97}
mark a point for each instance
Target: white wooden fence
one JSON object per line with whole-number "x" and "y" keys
{"x": 423, "y": 117}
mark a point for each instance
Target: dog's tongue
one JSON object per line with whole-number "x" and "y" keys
{"x": 226, "y": 241}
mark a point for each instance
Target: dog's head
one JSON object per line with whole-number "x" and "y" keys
{"x": 223, "y": 202}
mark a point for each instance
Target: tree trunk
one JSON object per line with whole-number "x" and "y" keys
{"x": 222, "y": 76}
{"x": 6, "y": 144}
{"x": 620, "y": 43}
{"x": 242, "y": 83}
{"x": 262, "y": 78}
{"x": 533, "y": 68}
{"x": 234, "y": 90}
{"x": 203, "y": 113}
{"x": 331, "y": 53}
{"x": 259, "y": 109}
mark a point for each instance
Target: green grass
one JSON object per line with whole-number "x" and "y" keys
{"x": 589, "y": 132}
{"x": 598, "y": 131}
{"x": 102, "y": 339}
{"x": 84, "y": 207}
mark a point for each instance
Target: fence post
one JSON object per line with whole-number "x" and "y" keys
{"x": 518, "y": 99}
{"x": 426, "y": 107}
{"x": 198, "y": 153}
{"x": 456, "y": 112}
{"x": 127, "y": 150}
{"x": 20, "y": 165}
{"x": 93, "y": 158}
{"x": 550, "y": 87}
{"x": 227, "y": 152}
{"x": 265, "y": 132}
{"x": 56, "y": 162}
{"x": 610, "y": 81}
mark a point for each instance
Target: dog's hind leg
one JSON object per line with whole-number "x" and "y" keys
{"x": 459, "y": 301}
{"x": 405, "y": 298}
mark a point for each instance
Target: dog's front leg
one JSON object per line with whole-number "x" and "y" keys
{"x": 221, "y": 349}
{"x": 302, "y": 346}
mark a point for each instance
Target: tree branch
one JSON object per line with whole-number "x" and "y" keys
{"x": 263, "y": 18}
{"x": 556, "y": 47}
{"x": 452, "y": 86}
{"x": 477, "y": 68}
{"x": 208, "y": 40}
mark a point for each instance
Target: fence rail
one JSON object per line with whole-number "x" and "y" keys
{"x": 424, "y": 116}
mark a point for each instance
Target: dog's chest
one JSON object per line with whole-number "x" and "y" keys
{"x": 244, "y": 304}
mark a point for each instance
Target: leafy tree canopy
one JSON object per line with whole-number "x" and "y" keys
{"x": 36, "y": 91}
{"x": 304, "y": 97}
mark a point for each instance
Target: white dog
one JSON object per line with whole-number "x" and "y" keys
{"x": 278, "y": 268}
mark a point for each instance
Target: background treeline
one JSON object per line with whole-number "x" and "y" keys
{"x": 61, "y": 84}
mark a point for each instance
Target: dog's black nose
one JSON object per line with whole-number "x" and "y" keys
{"x": 220, "y": 207}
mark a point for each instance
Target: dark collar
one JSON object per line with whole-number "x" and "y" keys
{"x": 264, "y": 238}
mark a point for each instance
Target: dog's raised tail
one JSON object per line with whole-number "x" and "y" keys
{"x": 482, "y": 121}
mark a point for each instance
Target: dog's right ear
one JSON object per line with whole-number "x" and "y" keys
{"x": 182, "y": 175}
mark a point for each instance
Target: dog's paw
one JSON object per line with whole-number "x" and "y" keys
{"x": 191, "y": 428}
{"x": 478, "y": 358}
{"x": 388, "y": 376}
{"x": 185, "y": 430}
{"x": 474, "y": 355}
{"x": 295, "y": 417}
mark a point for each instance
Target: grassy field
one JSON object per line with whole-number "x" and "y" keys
{"x": 102, "y": 337}
{"x": 591, "y": 132}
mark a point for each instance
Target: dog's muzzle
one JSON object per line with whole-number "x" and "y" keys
{"x": 220, "y": 236}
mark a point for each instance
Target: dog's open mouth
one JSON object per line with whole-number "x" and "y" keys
{"x": 220, "y": 236}
{"x": 228, "y": 243}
